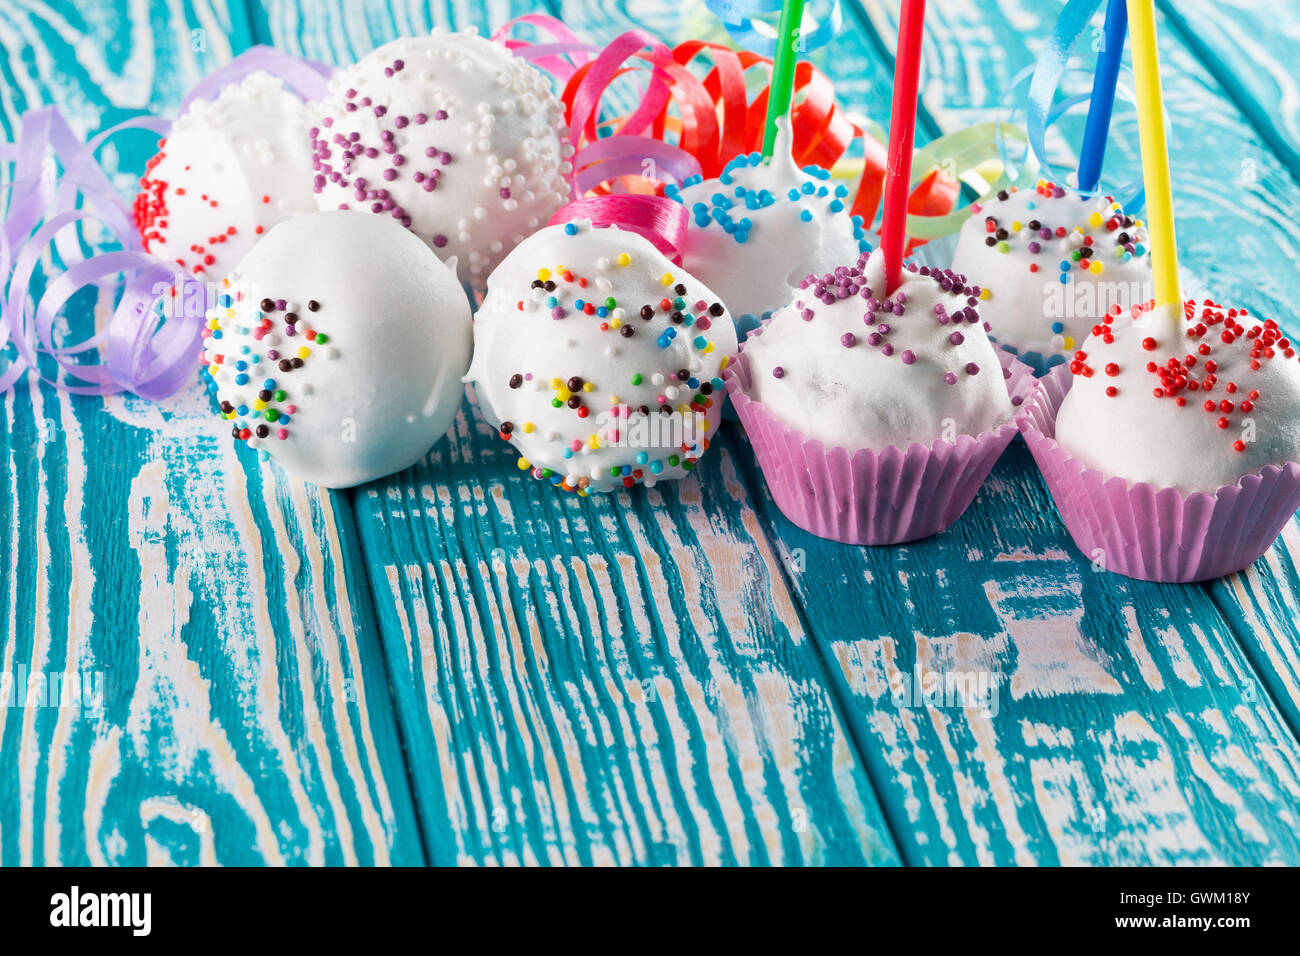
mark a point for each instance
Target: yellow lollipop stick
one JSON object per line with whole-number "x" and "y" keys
{"x": 1155, "y": 152}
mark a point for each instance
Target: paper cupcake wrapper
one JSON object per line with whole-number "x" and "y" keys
{"x": 867, "y": 496}
{"x": 1150, "y": 533}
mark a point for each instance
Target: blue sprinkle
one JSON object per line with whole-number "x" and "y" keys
{"x": 695, "y": 382}
{"x": 841, "y": 190}
{"x": 570, "y": 229}
{"x": 794, "y": 195}
{"x": 836, "y": 206}
{"x": 656, "y": 467}
{"x": 241, "y": 379}
{"x": 1058, "y": 327}
{"x": 806, "y": 215}
{"x": 642, "y": 458}
{"x": 807, "y": 189}
{"x": 269, "y": 383}
{"x": 241, "y": 410}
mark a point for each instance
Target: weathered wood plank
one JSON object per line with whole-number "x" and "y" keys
{"x": 1131, "y": 726}
{"x": 617, "y": 679}
{"x": 1250, "y": 50}
{"x": 614, "y": 680}
{"x": 238, "y": 709}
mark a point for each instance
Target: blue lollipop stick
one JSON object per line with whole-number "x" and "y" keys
{"x": 1097, "y": 126}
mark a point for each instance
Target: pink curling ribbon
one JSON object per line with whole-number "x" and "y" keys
{"x": 660, "y": 220}
{"x": 148, "y": 344}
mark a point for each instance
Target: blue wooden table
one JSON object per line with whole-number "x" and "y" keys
{"x": 456, "y": 665}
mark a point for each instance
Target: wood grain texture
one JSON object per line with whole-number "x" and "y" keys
{"x": 666, "y": 676}
{"x": 1097, "y": 672}
{"x": 214, "y": 614}
{"x": 1250, "y": 51}
{"x": 618, "y": 680}
{"x": 621, "y": 679}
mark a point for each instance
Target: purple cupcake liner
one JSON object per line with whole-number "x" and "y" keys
{"x": 1150, "y": 533}
{"x": 866, "y": 496}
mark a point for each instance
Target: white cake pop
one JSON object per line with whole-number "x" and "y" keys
{"x": 851, "y": 367}
{"x": 337, "y": 347}
{"x": 599, "y": 359}
{"x": 759, "y": 229}
{"x": 451, "y": 135}
{"x": 1050, "y": 263}
{"x": 229, "y": 170}
{"x": 1192, "y": 402}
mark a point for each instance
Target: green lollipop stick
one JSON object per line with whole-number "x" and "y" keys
{"x": 781, "y": 90}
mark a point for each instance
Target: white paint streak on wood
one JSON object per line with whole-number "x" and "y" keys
{"x": 316, "y": 744}
{"x": 183, "y": 814}
{"x": 78, "y": 662}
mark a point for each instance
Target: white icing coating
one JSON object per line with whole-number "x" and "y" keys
{"x": 855, "y": 373}
{"x": 1022, "y": 272}
{"x": 384, "y": 387}
{"x": 785, "y": 240}
{"x": 610, "y": 375}
{"x": 229, "y": 170}
{"x": 1140, "y": 437}
{"x": 453, "y": 136}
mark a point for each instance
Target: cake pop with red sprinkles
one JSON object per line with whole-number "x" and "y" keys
{"x": 230, "y": 169}
{"x": 337, "y": 346}
{"x": 600, "y": 360}
{"x": 1050, "y": 262}
{"x": 850, "y": 366}
{"x": 1193, "y": 402}
{"x": 450, "y": 135}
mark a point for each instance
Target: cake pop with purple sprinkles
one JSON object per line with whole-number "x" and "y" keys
{"x": 850, "y": 366}
{"x": 450, "y": 135}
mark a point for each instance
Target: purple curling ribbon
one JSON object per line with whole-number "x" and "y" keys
{"x": 149, "y": 343}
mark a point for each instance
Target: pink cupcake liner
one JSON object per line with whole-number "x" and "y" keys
{"x": 866, "y": 496}
{"x": 1150, "y": 533}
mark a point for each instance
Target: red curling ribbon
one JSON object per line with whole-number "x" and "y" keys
{"x": 710, "y": 118}
{"x": 660, "y": 220}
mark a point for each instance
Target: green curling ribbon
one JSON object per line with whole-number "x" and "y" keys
{"x": 960, "y": 155}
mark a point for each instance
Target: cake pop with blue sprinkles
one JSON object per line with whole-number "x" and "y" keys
{"x": 759, "y": 229}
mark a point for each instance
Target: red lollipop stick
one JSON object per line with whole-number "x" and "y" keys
{"x": 902, "y": 128}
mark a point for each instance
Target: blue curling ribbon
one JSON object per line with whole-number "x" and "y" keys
{"x": 740, "y": 17}
{"x": 1045, "y": 79}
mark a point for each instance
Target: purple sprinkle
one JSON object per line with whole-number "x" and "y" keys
{"x": 972, "y": 368}
{"x": 874, "y": 338}
{"x": 848, "y": 340}
{"x": 908, "y": 356}
{"x": 272, "y": 354}
{"x": 887, "y": 349}
{"x": 390, "y": 174}
{"x": 956, "y": 338}
{"x": 440, "y": 115}
{"x": 504, "y": 194}
{"x": 1034, "y": 247}
{"x": 440, "y": 240}
{"x": 950, "y": 378}
{"x": 778, "y": 372}
{"x": 401, "y": 122}
{"x": 806, "y": 315}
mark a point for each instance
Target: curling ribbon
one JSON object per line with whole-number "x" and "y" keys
{"x": 660, "y": 220}
{"x": 141, "y": 350}
{"x": 1044, "y": 81}
{"x": 715, "y": 119}
{"x": 741, "y": 17}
